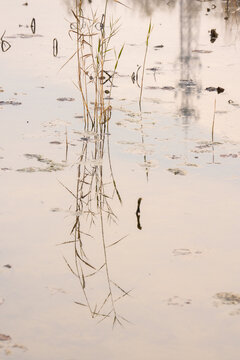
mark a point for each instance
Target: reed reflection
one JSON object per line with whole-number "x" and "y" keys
{"x": 96, "y": 187}
{"x": 188, "y": 85}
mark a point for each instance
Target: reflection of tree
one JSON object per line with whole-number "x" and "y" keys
{"x": 189, "y": 61}
{"x": 231, "y": 9}
{"x": 231, "y": 15}
{"x": 148, "y": 6}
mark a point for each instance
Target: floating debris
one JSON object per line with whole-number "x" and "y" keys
{"x": 54, "y": 291}
{"x": 66, "y": 99}
{"x": 55, "y": 142}
{"x": 220, "y": 90}
{"x": 184, "y": 252}
{"x": 177, "y": 171}
{"x": 7, "y": 266}
{"x": 234, "y": 156}
{"x": 169, "y": 88}
{"x": 213, "y": 35}
{"x": 52, "y": 166}
{"x": 5, "y": 45}
{"x": 138, "y": 211}
{"x": 24, "y": 36}
{"x": 211, "y": 88}
{"x": 33, "y": 25}
{"x": 152, "y": 87}
{"x": 191, "y": 164}
{"x": 10, "y": 102}
{"x": 178, "y": 301}
{"x": 157, "y": 47}
{"x": 202, "y": 51}
{"x": 22, "y": 347}
{"x": 207, "y": 144}
{"x": 55, "y": 47}
{"x": 6, "y": 169}
{"x": 5, "y": 337}
{"x": 228, "y": 298}
{"x": 231, "y": 102}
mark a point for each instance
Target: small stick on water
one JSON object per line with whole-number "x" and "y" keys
{"x": 144, "y": 64}
{"x": 213, "y": 122}
{"x": 55, "y": 47}
{"x": 33, "y": 26}
{"x": 138, "y": 214}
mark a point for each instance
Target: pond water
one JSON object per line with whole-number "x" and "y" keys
{"x": 120, "y": 236}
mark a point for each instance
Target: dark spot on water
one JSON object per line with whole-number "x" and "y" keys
{"x": 213, "y": 35}
{"x": 7, "y": 266}
{"x": 220, "y": 90}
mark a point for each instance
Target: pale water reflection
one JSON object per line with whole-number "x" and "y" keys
{"x": 117, "y": 214}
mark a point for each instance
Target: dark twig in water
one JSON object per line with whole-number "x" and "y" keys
{"x": 138, "y": 214}
{"x": 5, "y": 45}
{"x": 33, "y": 26}
{"x": 55, "y": 47}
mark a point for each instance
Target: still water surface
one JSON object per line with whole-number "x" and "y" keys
{"x": 172, "y": 280}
